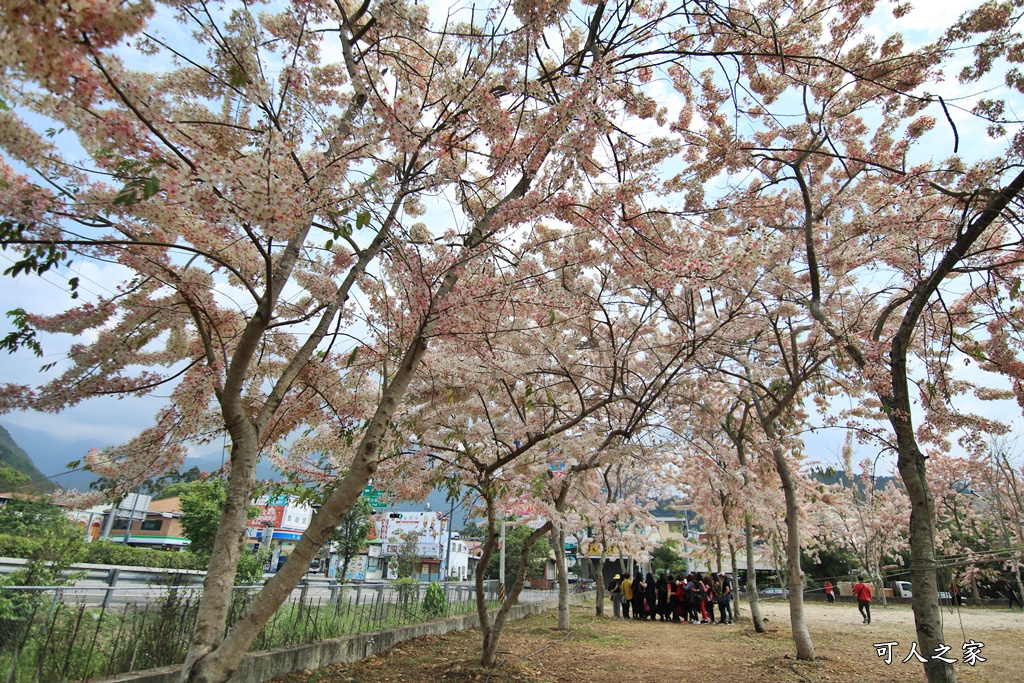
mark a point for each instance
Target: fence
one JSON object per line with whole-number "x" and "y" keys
{"x": 77, "y": 633}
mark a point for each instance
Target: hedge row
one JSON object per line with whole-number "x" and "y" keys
{"x": 108, "y": 552}
{"x": 105, "y": 552}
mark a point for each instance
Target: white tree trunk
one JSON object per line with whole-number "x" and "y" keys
{"x": 876, "y": 571}
{"x": 735, "y": 583}
{"x": 562, "y": 572}
{"x": 797, "y": 619}
{"x": 752, "y": 599}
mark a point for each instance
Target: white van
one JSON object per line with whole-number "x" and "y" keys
{"x": 903, "y": 589}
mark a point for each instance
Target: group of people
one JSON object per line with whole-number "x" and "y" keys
{"x": 691, "y": 598}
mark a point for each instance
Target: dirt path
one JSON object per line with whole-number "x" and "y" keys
{"x": 616, "y": 651}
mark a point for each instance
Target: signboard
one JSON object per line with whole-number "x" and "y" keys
{"x": 134, "y": 505}
{"x": 270, "y": 515}
{"x": 356, "y": 568}
{"x": 373, "y": 551}
{"x": 288, "y": 515}
{"x": 372, "y": 495}
{"x": 393, "y": 526}
{"x": 422, "y": 549}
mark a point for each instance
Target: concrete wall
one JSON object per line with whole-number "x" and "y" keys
{"x": 258, "y": 667}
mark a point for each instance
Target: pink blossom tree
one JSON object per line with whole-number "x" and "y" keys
{"x": 266, "y": 185}
{"x": 864, "y": 516}
{"x": 882, "y": 244}
{"x": 616, "y": 517}
{"x": 972, "y": 529}
{"x": 260, "y": 190}
{"x": 1003, "y": 481}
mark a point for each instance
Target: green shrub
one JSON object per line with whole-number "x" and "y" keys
{"x": 108, "y": 552}
{"x": 250, "y": 567}
{"x": 435, "y": 603}
{"x": 99, "y": 552}
{"x": 18, "y": 546}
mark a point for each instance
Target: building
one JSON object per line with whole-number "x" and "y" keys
{"x": 91, "y": 520}
{"x": 158, "y": 526}
{"x": 280, "y": 523}
{"x": 391, "y": 530}
{"x": 394, "y": 528}
{"x": 456, "y": 560}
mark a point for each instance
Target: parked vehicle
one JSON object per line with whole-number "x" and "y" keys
{"x": 902, "y": 589}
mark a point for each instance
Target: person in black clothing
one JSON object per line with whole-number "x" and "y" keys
{"x": 1011, "y": 595}
{"x": 639, "y": 594}
{"x": 662, "y": 595}
{"x": 726, "y": 596}
{"x": 692, "y": 599}
{"x": 721, "y": 585}
{"x": 675, "y": 602}
{"x": 650, "y": 596}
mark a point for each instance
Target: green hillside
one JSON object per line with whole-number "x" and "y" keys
{"x": 14, "y": 456}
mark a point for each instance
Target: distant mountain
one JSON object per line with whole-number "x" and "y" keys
{"x": 829, "y": 476}
{"x": 14, "y": 456}
{"x": 52, "y": 453}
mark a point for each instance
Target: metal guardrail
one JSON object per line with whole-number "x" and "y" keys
{"x": 72, "y": 633}
{"x": 106, "y": 574}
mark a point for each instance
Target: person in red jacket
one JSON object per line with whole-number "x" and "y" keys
{"x": 828, "y": 591}
{"x": 863, "y": 593}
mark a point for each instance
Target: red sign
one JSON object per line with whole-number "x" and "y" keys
{"x": 270, "y": 515}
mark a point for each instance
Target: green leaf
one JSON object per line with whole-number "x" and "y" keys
{"x": 23, "y": 336}
{"x": 3, "y": 105}
{"x": 126, "y": 197}
{"x": 150, "y": 187}
{"x": 237, "y": 77}
{"x": 362, "y": 219}
{"x": 330, "y": 243}
{"x": 352, "y": 357}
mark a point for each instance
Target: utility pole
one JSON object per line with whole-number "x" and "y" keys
{"x": 501, "y": 559}
{"x": 686, "y": 539}
{"x": 501, "y": 548}
{"x": 131, "y": 517}
{"x": 448, "y": 548}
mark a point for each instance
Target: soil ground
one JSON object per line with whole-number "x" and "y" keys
{"x": 607, "y": 650}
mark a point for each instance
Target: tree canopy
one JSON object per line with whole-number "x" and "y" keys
{"x": 513, "y": 248}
